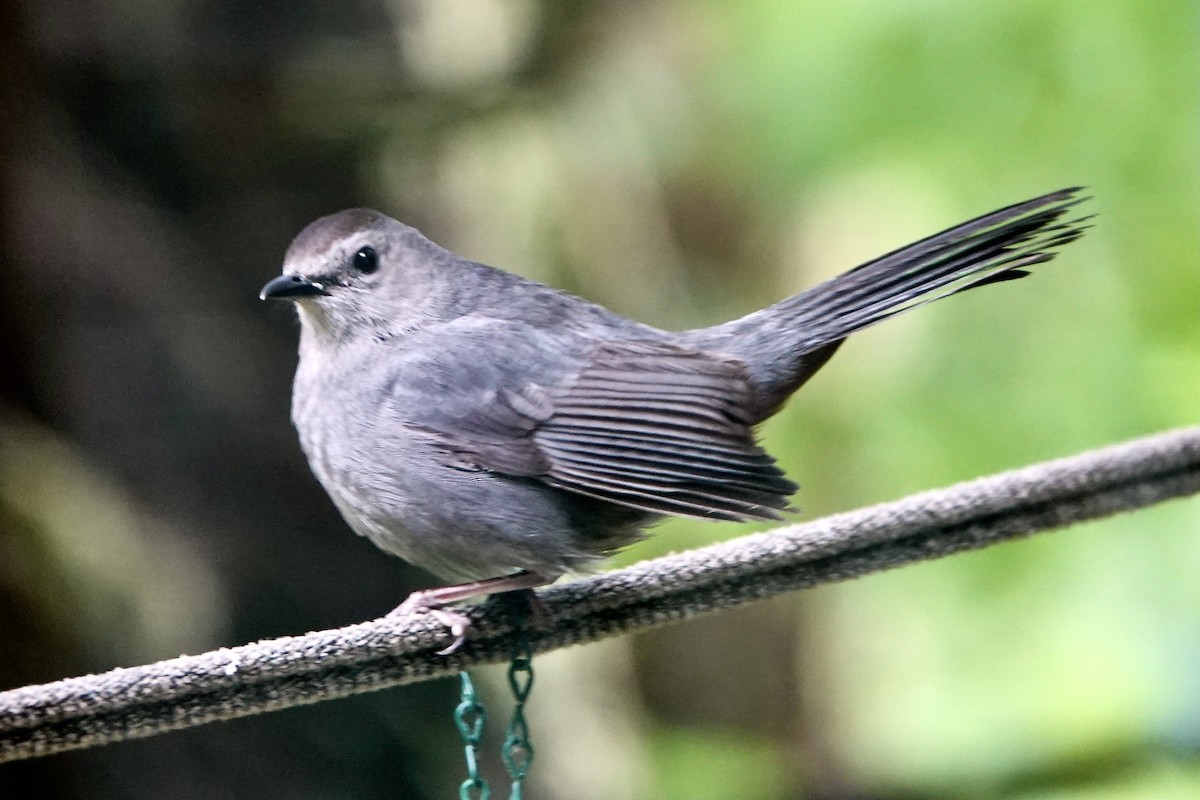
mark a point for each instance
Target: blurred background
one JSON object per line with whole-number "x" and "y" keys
{"x": 682, "y": 162}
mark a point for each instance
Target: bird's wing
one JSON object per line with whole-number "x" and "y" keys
{"x": 643, "y": 424}
{"x": 664, "y": 429}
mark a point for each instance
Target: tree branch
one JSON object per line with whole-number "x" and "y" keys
{"x": 279, "y": 673}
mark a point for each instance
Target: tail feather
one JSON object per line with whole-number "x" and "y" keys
{"x": 786, "y": 343}
{"x": 995, "y": 247}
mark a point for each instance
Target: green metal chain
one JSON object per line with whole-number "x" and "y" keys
{"x": 470, "y": 717}
{"x": 517, "y": 750}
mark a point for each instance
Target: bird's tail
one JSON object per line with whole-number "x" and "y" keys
{"x": 785, "y": 343}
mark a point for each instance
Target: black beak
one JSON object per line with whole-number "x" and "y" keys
{"x": 290, "y": 287}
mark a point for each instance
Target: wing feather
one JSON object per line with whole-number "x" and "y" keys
{"x": 662, "y": 428}
{"x": 644, "y": 424}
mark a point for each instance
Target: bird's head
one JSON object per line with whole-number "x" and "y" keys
{"x": 359, "y": 273}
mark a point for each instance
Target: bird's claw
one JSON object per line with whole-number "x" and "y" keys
{"x": 457, "y": 622}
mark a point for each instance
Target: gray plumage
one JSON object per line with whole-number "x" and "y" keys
{"x": 478, "y": 424}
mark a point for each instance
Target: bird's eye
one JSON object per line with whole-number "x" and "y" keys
{"x": 366, "y": 260}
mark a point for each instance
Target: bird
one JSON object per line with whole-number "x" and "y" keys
{"x": 501, "y": 433}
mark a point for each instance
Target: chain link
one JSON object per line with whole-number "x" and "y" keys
{"x": 470, "y": 716}
{"x": 517, "y": 750}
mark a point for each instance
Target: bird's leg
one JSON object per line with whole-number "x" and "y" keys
{"x": 434, "y": 601}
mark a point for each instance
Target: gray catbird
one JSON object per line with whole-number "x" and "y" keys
{"x": 491, "y": 429}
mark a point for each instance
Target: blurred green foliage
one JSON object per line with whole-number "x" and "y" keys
{"x": 838, "y": 131}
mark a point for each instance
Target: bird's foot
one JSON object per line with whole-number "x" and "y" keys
{"x": 434, "y": 601}
{"x": 457, "y": 622}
